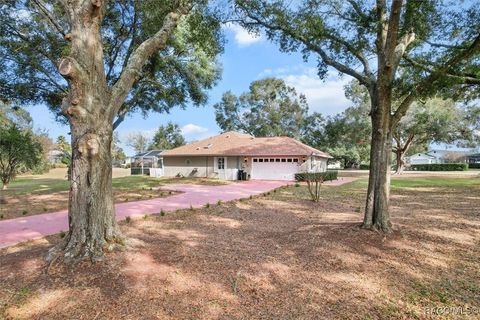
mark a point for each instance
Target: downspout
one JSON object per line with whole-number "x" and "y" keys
{"x": 206, "y": 166}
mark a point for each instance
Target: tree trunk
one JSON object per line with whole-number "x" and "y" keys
{"x": 91, "y": 213}
{"x": 92, "y": 225}
{"x": 5, "y": 186}
{"x": 377, "y": 216}
{"x": 399, "y": 153}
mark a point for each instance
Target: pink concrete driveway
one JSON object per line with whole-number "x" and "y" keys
{"x": 14, "y": 231}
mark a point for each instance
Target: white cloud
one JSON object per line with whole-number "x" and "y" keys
{"x": 193, "y": 129}
{"x": 242, "y": 36}
{"x": 324, "y": 96}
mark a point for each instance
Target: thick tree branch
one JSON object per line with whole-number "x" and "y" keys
{"x": 365, "y": 80}
{"x": 49, "y": 16}
{"x": 464, "y": 78}
{"x": 355, "y": 52}
{"x": 392, "y": 36}
{"x": 144, "y": 51}
{"x": 428, "y": 81}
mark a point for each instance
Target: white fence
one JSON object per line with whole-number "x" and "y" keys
{"x": 156, "y": 172}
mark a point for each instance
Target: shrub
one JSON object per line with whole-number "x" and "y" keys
{"x": 364, "y": 166}
{"x": 219, "y": 202}
{"x": 440, "y": 167}
{"x": 314, "y": 181}
{"x": 62, "y": 234}
{"x": 24, "y": 212}
{"x": 162, "y": 213}
{"x": 128, "y": 219}
{"x": 474, "y": 165}
{"x": 326, "y": 176}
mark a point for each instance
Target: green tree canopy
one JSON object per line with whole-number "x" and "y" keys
{"x": 19, "y": 150}
{"x": 269, "y": 108}
{"x": 34, "y": 35}
{"x": 434, "y": 121}
{"x": 345, "y": 136}
{"x": 167, "y": 137}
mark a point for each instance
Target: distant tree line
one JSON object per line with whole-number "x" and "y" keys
{"x": 271, "y": 108}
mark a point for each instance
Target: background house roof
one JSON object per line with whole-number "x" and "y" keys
{"x": 148, "y": 154}
{"x": 239, "y": 144}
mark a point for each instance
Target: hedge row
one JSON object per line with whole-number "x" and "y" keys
{"x": 474, "y": 165}
{"x": 326, "y": 176}
{"x": 440, "y": 167}
{"x": 364, "y": 167}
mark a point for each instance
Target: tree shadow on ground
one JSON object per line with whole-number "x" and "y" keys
{"x": 278, "y": 256}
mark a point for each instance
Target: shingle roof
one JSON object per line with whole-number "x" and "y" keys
{"x": 239, "y": 144}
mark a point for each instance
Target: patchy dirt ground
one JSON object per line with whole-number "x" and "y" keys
{"x": 274, "y": 257}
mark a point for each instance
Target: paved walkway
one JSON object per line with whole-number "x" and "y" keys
{"x": 17, "y": 230}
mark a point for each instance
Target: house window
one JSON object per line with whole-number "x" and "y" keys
{"x": 221, "y": 163}
{"x": 295, "y": 160}
{"x": 277, "y": 160}
{"x": 255, "y": 160}
{"x": 272, "y": 160}
{"x": 289, "y": 160}
{"x": 265, "y": 160}
{"x": 260, "y": 160}
{"x": 284, "y": 160}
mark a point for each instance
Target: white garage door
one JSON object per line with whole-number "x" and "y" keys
{"x": 274, "y": 168}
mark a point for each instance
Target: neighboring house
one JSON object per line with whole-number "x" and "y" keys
{"x": 334, "y": 165}
{"x": 437, "y": 156}
{"x": 145, "y": 161}
{"x": 55, "y": 156}
{"x": 474, "y": 158}
{"x": 224, "y": 155}
{"x": 421, "y": 158}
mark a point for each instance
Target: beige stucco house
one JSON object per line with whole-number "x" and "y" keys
{"x": 224, "y": 155}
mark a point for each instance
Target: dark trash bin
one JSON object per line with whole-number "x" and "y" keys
{"x": 240, "y": 175}
{"x": 244, "y": 175}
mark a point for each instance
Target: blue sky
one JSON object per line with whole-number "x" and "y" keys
{"x": 246, "y": 58}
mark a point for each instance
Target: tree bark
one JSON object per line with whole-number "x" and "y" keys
{"x": 91, "y": 213}
{"x": 400, "y": 154}
{"x": 92, "y": 225}
{"x": 377, "y": 216}
{"x": 91, "y": 105}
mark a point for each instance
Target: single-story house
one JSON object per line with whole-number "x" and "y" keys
{"x": 437, "y": 156}
{"x": 421, "y": 158}
{"x": 224, "y": 155}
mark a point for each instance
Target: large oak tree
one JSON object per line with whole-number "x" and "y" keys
{"x": 269, "y": 108}
{"x": 417, "y": 47}
{"x": 115, "y": 57}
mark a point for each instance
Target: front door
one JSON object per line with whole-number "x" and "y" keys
{"x": 220, "y": 166}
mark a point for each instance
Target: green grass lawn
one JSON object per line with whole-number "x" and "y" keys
{"x": 414, "y": 182}
{"x": 435, "y": 181}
